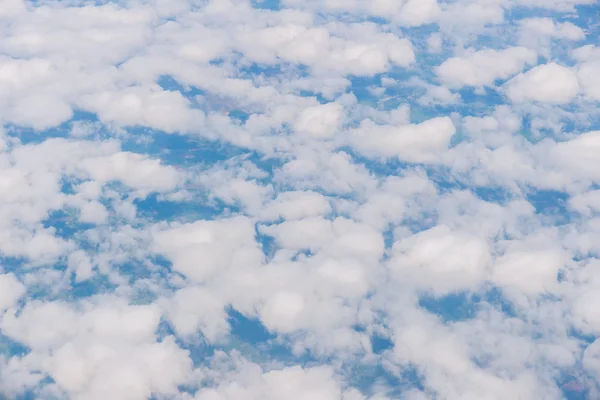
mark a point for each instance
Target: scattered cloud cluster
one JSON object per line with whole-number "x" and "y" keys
{"x": 284, "y": 199}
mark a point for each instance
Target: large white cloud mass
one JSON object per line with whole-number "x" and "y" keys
{"x": 299, "y": 199}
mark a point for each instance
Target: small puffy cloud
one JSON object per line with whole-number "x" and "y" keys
{"x": 590, "y": 82}
{"x": 40, "y": 111}
{"x": 247, "y": 193}
{"x": 392, "y": 201}
{"x": 359, "y": 49}
{"x": 202, "y": 248}
{"x": 296, "y": 205}
{"x": 435, "y": 43}
{"x": 159, "y": 109}
{"x": 589, "y": 62}
{"x": 556, "y": 5}
{"x": 463, "y": 17}
{"x": 11, "y": 289}
{"x": 415, "y": 143}
{"x": 584, "y": 314}
{"x": 444, "y": 354}
{"x": 24, "y": 97}
{"x": 436, "y": 94}
{"x": 484, "y": 67}
{"x": 339, "y": 237}
{"x": 541, "y": 33}
{"x": 441, "y": 260}
{"x": 134, "y": 170}
{"x": 548, "y": 83}
{"x": 586, "y": 203}
{"x": 93, "y": 212}
{"x": 577, "y": 157}
{"x": 282, "y": 311}
{"x": 39, "y": 246}
{"x": 591, "y": 364}
{"x": 81, "y": 264}
{"x": 325, "y": 171}
{"x": 320, "y": 121}
{"x": 419, "y": 12}
{"x": 293, "y": 383}
{"x": 547, "y": 27}
{"x": 194, "y": 309}
{"x": 532, "y": 272}
{"x": 105, "y": 349}
{"x": 586, "y": 53}
{"x": 410, "y": 13}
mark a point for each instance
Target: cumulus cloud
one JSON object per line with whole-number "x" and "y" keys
{"x": 11, "y": 291}
{"x": 441, "y": 260}
{"x": 406, "y": 12}
{"x": 484, "y": 67}
{"x": 416, "y": 143}
{"x": 322, "y": 199}
{"x": 193, "y": 247}
{"x": 290, "y": 383}
{"x": 319, "y": 121}
{"x": 548, "y": 83}
{"x": 547, "y": 27}
{"x": 589, "y": 58}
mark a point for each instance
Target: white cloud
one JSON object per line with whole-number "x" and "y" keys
{"x": 416, "y": 143}
{"x": 133, "y": 170}
{"x": 12, "y": 7}
{"x": 203, "y": 248}
{"x": 249, "y": 194}
{"x": 419, "y": 12}
{"x": 394, "y": 200}
{"x": 576, "y": 156}
{"x": 108, "y": 349}
{"x": 405, "y": 12}
{"x": 590, "y": 82}
{"x": 282, "y": 310}
{"x": 294, "y": 383}
{"x": 541, "y": 34}
{"x": 194, "y": 309}
{"x": 93, "y": 212}
{"x": 589, "y": 62}
{"x": 297, "y": 205}
{"x": 586, "y": 203}
{"x": 548, "y": 83}
{"x": 359, "y": 49}
{"x": 159, "y": 109}
{"x": 441, "y": 260}
{"x": 80, "y": 262}
{"x": 320, "y": 121}
{"x": 461, "y": 18}
{"x": 340, "y": 237}
{"x": 484, "y": 67}
{"x": 547, "y": 27}
{"x": 444, "y": 354}
{"x": 532, "y": 272}
{"x": 329, "y": 172}
{"x": 435, "y": 43}
{"x": 11, "y": 289}
{"x": 558, "y": 5}
{"x": 591, "y": 363}
{"x": 303, "y": 243}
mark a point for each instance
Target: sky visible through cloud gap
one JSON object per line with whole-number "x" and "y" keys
{"x": 300, "y": 199}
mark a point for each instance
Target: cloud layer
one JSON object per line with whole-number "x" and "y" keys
{"x": 282, "y": 199}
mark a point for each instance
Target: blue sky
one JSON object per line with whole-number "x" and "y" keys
{"x": 316, "y": 199}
